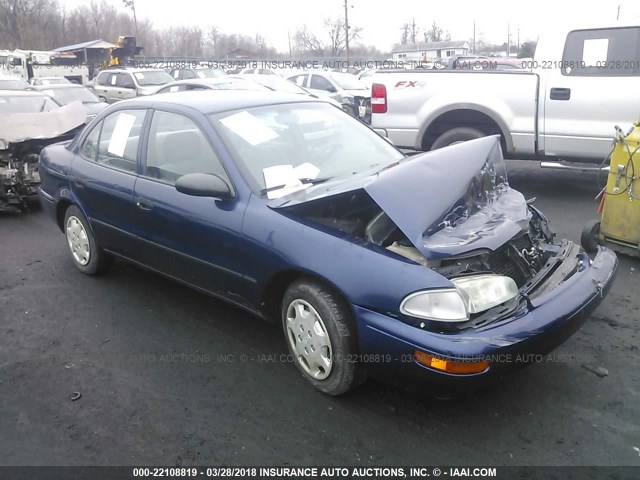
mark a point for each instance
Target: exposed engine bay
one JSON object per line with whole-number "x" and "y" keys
{"x": 19, "y": 176}
{"x": 22, "y": 137}
{"x": 473, "y": 224}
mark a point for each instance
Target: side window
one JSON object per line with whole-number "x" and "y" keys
{"x": 89, "y": 148}
{"x": 187, "y": 74}
{"x": 300, "y": 80}
{"x": 178, "y": 147}
{"x": 103, "y": 78}
{"x": 321, "y": 83}
{"x": 612, "y": 52}
{"x": 119, "y": 138}
{"x": 125, "y": 81}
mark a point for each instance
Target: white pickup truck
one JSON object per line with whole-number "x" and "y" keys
{"x": 581, "y": 83}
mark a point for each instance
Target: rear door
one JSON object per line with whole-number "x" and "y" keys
{"x": 103, "y": 176}
{"x": 194, "y": 239}
{"x": 592, "y": 92}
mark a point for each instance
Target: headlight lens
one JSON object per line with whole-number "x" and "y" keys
{"x": 473, "y": 294}
{"x": 482, "y": 292}
{"x": 441, "y": 305}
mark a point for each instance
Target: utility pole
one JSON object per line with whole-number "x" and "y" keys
{"x": 132, "y": 5}
{"x": 474, "y": 36}
{"x": 508, "y": 39}
{"x": 346, "y": 28}
{"x": 518, "y": 50}
{"x": 618, "y": 16}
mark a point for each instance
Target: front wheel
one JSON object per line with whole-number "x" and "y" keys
{"x": 87, "y": 256}
{"x": 589, "y": 236}
{"x": 456, "y": 135}
{"x": 321, "y": 337}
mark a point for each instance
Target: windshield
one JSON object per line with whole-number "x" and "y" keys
{"x": 73, "y": 94}
{"x": 51, "y": 81}
{"x": 152, "y": 77}
{"x": 12, "y": 84}
{"x": 284, "y": 148}
{"x": 348, "y": 81}
{"x": 210, "y": 73}
{"x": 30, "y": 104}
{"x": 279, "y": 84}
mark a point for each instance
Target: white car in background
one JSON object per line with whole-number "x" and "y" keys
{"x": 353, "y": 95}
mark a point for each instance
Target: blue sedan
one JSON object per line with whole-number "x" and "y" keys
{"x": 422, "y": 269}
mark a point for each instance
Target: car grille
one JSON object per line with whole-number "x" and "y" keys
{"x": 506, "y": 261}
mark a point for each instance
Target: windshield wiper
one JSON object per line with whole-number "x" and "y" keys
{"x": 308, "y": 181}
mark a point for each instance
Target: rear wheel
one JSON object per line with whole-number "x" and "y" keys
{"x": 456, "y": 135}
{"x": 87, "y": 256}
{"x": 321, "y": 337}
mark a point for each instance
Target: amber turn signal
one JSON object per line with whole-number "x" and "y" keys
{"x": 449, "y": 366}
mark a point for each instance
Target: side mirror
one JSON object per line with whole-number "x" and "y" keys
{"x": 204, "y": 185}
{"x": 331, "y": 89}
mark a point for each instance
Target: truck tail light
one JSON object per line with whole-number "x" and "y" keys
{"x": 378, "y": 98}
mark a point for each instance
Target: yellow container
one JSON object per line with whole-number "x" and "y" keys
{"x": 620, "y": 222}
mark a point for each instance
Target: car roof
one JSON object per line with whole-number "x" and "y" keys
{"x": 205, "y": 81}
{"x": 216, "y": 101}
{"x": 131, "y": 70}
{"x": 56, "y": 86}
{"x": 21, "y": 93}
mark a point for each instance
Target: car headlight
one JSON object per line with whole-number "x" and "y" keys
{"x": 444, "y": 305}
{"x": 473, "y": 294}
{"x": 482, "y": 292}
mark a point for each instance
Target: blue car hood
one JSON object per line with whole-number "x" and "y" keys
{"x": 453, "y": 200}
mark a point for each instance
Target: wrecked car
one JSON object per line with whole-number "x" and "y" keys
{"x": 28, "y": 122}
{"x": 425, "y": 269}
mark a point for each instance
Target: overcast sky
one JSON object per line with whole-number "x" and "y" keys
{"x": 380, "y": 20}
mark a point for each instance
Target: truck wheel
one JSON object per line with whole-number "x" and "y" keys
{"x": 456, "y": 135}
{"x": 589, "y": 237}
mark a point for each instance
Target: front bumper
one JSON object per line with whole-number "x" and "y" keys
{"x": 387, "y": 344}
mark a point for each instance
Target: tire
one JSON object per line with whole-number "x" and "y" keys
{"x": 317, "y": 320}
{"x": 589, "y": 236}
{"x": 85, "y": 253}
{"x": 456, "y": 135}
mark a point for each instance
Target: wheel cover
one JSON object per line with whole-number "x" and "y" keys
{"x": 309, "y": 339}
{"x": 78, "y": 240}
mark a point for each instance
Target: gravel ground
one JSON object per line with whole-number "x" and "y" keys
{"x": 151, "y": 361}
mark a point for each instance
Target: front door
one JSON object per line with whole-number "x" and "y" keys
{"x": 194, "y": 239}
{"x": 591, "y": 93}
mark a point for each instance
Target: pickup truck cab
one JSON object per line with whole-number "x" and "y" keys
{"x": 581, "y": 83}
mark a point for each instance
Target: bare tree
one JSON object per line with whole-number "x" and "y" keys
{"x": 336, "y": 42}
{"x": 434, "y": 33}
{"x": 404, "y": 37}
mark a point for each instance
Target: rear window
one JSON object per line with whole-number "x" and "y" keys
{"x": 612, "y": 52}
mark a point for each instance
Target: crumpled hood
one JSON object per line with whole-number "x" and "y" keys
{"x": 453, "y": 200}
{"x": 19, "y": 127}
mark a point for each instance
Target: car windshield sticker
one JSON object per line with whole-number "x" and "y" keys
{"x": 113, "y": 79}
{"x": 175, "y": 88}
{"x": 201, "y": 74}
{"x": 249, "y": 128}
{"x": 306, "y": 170}
{"x": 138, "y": 76}
{"x": 120, "y": 135}
{"x": 594, "y": 51}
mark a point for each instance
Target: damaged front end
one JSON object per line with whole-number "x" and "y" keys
{"x": 22, "y": 137}
{"x": 453, "y": 211}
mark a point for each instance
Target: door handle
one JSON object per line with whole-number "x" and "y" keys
{"x": 560, "y": 94}
{"x": 144, "y": 204}
{"x": 79, "y": 182}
